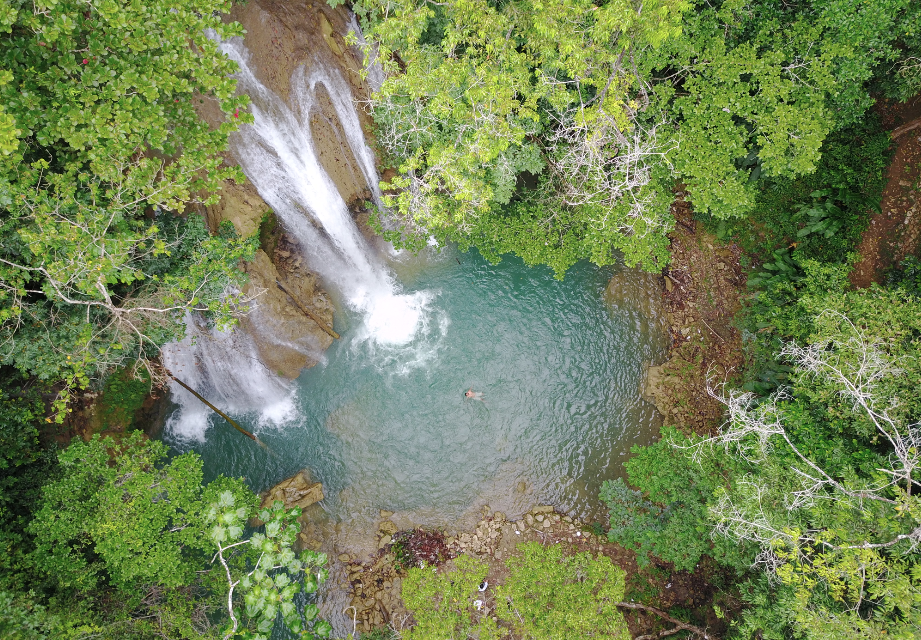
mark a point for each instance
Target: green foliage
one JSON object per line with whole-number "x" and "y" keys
{"x": 850, "y": 176}
{"x": 402, "y": 558}
{"x": 822, "y": 217}
{"x": 672, "y": 522}
{"x": 814, "y": 483}
{"x": 782, "y": 269}
{"x": 769, "y": 612}
{"x": 907, "y": 276}
{"x": 22, "y": 619}
{"x": 901, "y": 80}
{"x": 24, "y": 467}
{"x": 515, "y": 127}
{"x": 67, "y": 331}
{"x": 129, "y": 523}
{"x": 780, "y": 311}
{"x": 828, "y": 498}
{"x": 632, "y": 517}
{"x": 442, "y": 602}
{"x": 279, "y": 574}
{"x": 19, "y": 417}
{"x": 552, "y": 596}
{"x": 123, "y": 395}
{"x": 114, "y": 89}
{"x": 381, "y": 633}
{"x": 98, "y": 138}
{"x": 125, "y": 542}
{"x": 758, "y": 86}
{"x": 547, "y": 595}
{"x": 512, "y": 131}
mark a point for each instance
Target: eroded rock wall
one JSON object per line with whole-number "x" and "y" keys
{"x": 283, "y": 35}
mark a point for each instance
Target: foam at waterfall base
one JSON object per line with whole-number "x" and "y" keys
{"x": 394, "y": 319}
{"x": 399, "y": 332}
{"x": 280, "y": 157}
{"x": 224, "y": 367}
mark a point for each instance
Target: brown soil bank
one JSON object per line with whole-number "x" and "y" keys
{"x": 702, "y": 288}
{"x": 895, "y": 232}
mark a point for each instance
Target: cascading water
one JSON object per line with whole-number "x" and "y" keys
{"x": 382, "y": 422}
{"x": 279, "y": 156}
{"x": 375, "y": 77}
{"x": 225, "y": 368}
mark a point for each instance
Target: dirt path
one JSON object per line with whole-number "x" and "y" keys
{"x": 895, "y": 233}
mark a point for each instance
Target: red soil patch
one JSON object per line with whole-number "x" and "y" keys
{"x": 895, "y": 233}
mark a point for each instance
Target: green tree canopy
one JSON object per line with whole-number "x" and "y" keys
{"x": 832, "y": 499}
{"x": 99, "y": 140}
{"x": 816, "y": 483}
{"x": 518, "y": 126}
{"x": 121, "y": 524}
{"x": 756, "y": 86}
{"x": 127, "y": 523}
{"x": 557, "y": 132}
{"x": 548, "y": 595}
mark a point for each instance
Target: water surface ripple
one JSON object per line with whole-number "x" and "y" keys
{"x": 559, "y": 367}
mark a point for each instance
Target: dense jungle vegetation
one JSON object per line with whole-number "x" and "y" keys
{"x": 554, "y": 131}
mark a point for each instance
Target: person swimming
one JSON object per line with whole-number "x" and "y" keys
{"x": 474, "y": 395}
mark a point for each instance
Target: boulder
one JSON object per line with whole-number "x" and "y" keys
{"x": 296, "y": 491}
{"x": 286, "y": 338}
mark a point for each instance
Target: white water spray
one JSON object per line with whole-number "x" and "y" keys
{"x": 225, "y": 368}
{"x": 278, "y": 155}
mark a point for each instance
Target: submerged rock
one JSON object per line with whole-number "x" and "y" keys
{"x": 296, "y": 491}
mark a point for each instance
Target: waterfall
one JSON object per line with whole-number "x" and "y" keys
{"x": 375, "y": 78}
{"x": 279, "y": 156}
{"x": 224, "y": 367}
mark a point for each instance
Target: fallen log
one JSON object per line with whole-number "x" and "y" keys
{"x": 905, "y": 128}
{"x": 680, "y": 624}
{"x": 215, "y": 409}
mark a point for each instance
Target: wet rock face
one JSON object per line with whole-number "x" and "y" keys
{"x": 241, "y": 205}
{"x": 281, "y": 36}
{"x": 287, "y": 339}
{"x": 298, "y": 491}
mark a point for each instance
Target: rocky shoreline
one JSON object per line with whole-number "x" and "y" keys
{"x": 375, "y": 582}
